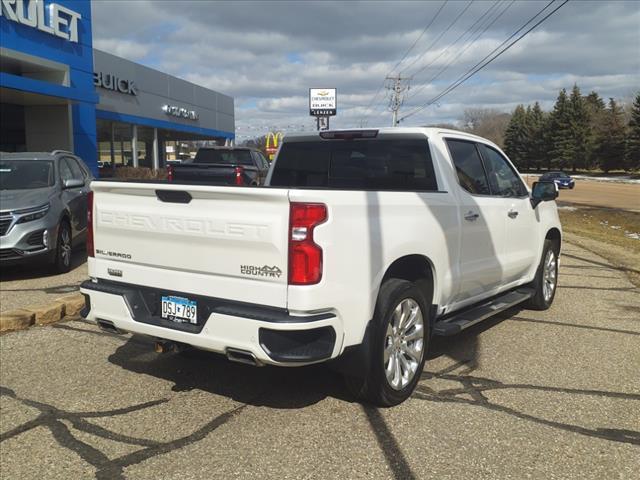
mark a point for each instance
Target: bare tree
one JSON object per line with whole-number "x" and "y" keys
{"x": 486, "y": 122}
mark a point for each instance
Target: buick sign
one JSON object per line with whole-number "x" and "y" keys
{"x": 111, "y": 82}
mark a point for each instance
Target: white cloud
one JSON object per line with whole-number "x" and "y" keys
{"x": 122, "y": 48}
{"x": 267, "y": 54}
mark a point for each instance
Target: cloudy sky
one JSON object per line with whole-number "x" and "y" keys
{"x": 268, "y": 54}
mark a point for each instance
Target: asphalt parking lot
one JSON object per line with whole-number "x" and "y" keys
{"x": 551, "y": 394}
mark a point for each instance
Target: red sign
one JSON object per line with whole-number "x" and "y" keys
{"x": 272, "y": 150}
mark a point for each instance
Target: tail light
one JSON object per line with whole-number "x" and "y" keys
{"x": 90, "y": 246}
{"x": 305, "y": 257}
{"x": 170, "y": 173}
{"x": 239, "y": 176}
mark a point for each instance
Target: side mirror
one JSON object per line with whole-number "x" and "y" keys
{"x": 72, "y": 183}
{"x": 543, "y": 192}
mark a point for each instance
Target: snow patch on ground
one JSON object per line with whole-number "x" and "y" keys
{"x": 620, "y": 179}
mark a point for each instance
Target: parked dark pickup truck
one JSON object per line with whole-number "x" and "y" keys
{"x": 222, "y": 166}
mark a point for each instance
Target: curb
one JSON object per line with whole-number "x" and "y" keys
{"x": 57, "y": 310}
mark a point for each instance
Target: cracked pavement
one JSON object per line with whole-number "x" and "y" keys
{"x": 527, "y": 394}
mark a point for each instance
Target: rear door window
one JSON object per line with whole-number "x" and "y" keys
{"x": 471, "y": 173}
{"x": 371, "y": 164}
{"x": 261, "y": 163}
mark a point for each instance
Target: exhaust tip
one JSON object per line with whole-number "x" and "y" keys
{"x": 109, "y": 327}
{"x": 242, "y": 356}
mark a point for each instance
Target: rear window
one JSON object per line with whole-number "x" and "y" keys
{"x": 237, "y": 157}
{"x": 372, "y": 164}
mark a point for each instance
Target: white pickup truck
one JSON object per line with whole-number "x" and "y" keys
{"x": 362, "y": 245}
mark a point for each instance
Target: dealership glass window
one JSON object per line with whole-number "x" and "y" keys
{"x": 115, "y": 144}
{"x": 103, "y": 131}
{"x": 145, "y": 147}
{"x": 122, "y": 135}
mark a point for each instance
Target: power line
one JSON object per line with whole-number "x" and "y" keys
{"x": 375, "y": 96}
{"x": 439, "y": 36}
{"x": 423, "y": 68}
{"x": 461, "y": 52}
{"x": 362, "y": 117}
{"x": 480, "y": 65}
{"x": 419, "y": 36}
{"x": 397, "y": 88}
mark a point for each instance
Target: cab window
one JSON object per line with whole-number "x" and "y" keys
{"x": 471, "y": 173}
{"x": 503, "y": 180}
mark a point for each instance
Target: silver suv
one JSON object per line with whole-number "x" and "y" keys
{"x": 43, "y": 207}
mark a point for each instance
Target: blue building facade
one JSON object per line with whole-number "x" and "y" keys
{"x": 57, "y": 92}
{"x": 73, "y": 84}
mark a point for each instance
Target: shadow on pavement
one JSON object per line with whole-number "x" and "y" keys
{"x": 269, "y": 386}
{"x": 275, "y": 387}
{"x": 29, "y": 271}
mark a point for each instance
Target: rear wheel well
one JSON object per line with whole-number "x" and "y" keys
{"x": 416, "y": 269}
{"x": 556, "y": 239}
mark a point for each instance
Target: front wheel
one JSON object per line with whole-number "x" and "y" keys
{"x": 546, "y": 280}
{"x": 62, "y": 258}
{"x": 397, "y": 351}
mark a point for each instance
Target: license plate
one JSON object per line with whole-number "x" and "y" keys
{"x": 179, "y": 309}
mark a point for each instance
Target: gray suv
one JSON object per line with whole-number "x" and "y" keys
{"x": 43, "y": 207}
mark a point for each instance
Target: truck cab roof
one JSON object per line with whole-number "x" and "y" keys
{"x": 383, "y": 131}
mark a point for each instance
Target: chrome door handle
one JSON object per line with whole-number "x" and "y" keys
{"x": 472, "y": 217}
{"x": 512, "y": 213}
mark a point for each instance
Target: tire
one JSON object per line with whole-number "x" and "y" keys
{"x": 388, "y": 346}
{"x": 546, "y": 278}
{"x": 62, "y": 257}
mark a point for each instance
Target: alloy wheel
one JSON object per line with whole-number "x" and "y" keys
{"x": 549, "y": 275}
{"x": 404, "y": 344}
{"x": 65, "y": 246}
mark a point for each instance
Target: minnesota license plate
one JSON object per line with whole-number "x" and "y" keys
{"x": 179, "y": 309}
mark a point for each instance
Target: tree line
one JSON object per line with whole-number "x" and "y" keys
{"x": 580, "y": 133}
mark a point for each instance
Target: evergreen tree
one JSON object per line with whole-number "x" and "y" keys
{"x": 516, "y": 138}
{"x": 594, "y": 102}
{"x": 632, "y": 154}
{"x": 610, "y": 144}
{"x": 536, "y": 148}
{"x": 596, "y": 111}
{"x": 561, "y": 152}
{"x": 580, "y": 131}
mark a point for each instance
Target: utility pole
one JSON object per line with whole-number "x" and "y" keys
{"x": 398, "y": 85}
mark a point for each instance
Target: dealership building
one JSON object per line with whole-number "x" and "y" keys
{"x": 58, "y": 93}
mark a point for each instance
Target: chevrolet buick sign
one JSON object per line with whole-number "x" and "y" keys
{"x": 323, "y": 102}
{"x": 180, "y": 112}
{"x": 54, "y": 19}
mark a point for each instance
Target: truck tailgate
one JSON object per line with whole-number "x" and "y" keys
{"x": 226, "y": 242}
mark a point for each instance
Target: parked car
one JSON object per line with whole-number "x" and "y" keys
{"x": 222, "y": 166}
{"x": 365, "y": 244}
{"x": 43, "y": 207}
{"x": 560, "y": 178}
